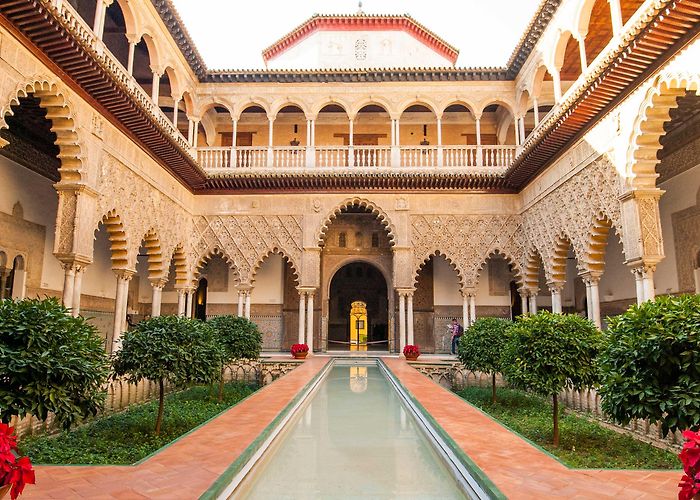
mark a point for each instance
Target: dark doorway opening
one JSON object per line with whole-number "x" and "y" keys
{"x": 358, "y": 282}
{"x": 200, "y": 300}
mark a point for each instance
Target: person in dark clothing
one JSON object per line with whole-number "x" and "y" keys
{"x": 457, "y": 330}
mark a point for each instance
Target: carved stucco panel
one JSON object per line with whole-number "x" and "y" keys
{"x": 570, "y": 210}
{"x": 247, "y": 239}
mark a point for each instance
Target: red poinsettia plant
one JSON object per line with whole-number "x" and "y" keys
{"x": 411, "y": 351}
{"x": 14, "y": 470}
{"x": 690, "y": 456}
{"x": 297, "y": 348}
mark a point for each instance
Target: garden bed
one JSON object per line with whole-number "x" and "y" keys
{"x": 583, "y": 444}
{"x": 127, "y": 437}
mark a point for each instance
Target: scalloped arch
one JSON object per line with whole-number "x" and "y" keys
{"x": 645, "y": 140}
{"x": 438, "y": 253}
{"x": 381, "y": 216}
{"x": 154, "y": 254}
{"x": 59, "y": 111}
{"x": 119, "y": 250}
{"x": 517, "y": 272}
{"x": 272, "y": 251}
{"x": 217, "y": 251}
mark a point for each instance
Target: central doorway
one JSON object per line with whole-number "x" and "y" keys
{"x": 358, "y": 316}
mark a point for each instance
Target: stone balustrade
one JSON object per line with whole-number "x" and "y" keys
{"x": 222, "y": 160}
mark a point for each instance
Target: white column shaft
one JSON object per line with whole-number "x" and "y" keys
{"x": 351, "y": 138}
{"x": 195, "y": 133}
{"x": 402, "y": 321}
{"x": 247, "y": 304}
{"x": 533, "y": 304}
{"x": 310, "y": 322}
{"x": 176, "y": 109}
{"x": 270, "y": 129}
{"x": 180, "y": 302}
{"x": 595, "y": 302}
{"x": 130, "y": 60}
{"x": 155, "y": 88}
{"x": 522, "y": 129}
{"x": 639, "y": 286}
{"x": 616, "y": 15}
{"x": 240, "y": 303}
{"x": 409, "y": 319}
{"x": 77, "y": 290}
{"x": 68, "y": 284}
{"x": 156, "y": 301}
{"x": 523, "y": 303}
{"x": 478, "y": 131}
{"x": 556, "y": 301}
{"x": 119, "y": 311}
{"x": 648, "y": 284}
{"x": 472, "y": 309}
{"x": 536, "y": 112}
{"x": 302, "y": 313}
{"x": 465, "y": 311}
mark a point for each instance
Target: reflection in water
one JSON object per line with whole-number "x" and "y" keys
{"x": 358, "y": 378}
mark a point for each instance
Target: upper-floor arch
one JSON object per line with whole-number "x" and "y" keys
{"x": 464, "y": 102}
{"x": 420, "y": 101}
{"x": 280, "y": 104}
{"x": 330, "y": 104}
{"x": 240, "y": 108}
{"x": 377, "y": 101}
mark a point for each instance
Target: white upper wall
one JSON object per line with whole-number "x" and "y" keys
{"x": 358, "y": 49}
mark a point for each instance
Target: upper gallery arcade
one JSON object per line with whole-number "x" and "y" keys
{"x": 136, "y": 180}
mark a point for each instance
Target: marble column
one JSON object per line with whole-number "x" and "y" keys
{"x": 523, "y": 302}
{"x": 310, "y": 321}
{"x": 536, "y": 112}
{"x": 181, "y": 299}
{"x": 302, "y": 315}
{"x": 247, "y": 304}
{"x": 120, "y": 305}
{"x": 241, "y": 297}
{"x": 409, "y": 318}
{"x": 155, "y": 88}
{"x": 472, "y": 308}
{"x": 556, "y": 289}
{"x": 533, "y": 302}
{"x": 465, "y": 311}
{"x": 77, "y": 289}
{"x": 157, "y": 297}
{"x": 68, "y": 284}
{"x": 402, "y": 321}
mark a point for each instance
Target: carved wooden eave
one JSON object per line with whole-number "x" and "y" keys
{"x": 71, "y": 50}
{"x": 428, "y": 180}
{"x": 373, "y": 75}
{"x": 659, "y": 33}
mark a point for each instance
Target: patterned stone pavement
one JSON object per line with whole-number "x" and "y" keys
{"x": 188, "y": 467}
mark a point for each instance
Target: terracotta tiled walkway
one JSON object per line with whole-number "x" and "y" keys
{"x": 517, "y": 468}
{"x": 187, "y": 468}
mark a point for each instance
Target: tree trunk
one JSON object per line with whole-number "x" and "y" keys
{"x": 221, "y": 386}
{"x": 493, "y": 387}
{"x": 161, "y": 405}
{"x": 555, "y": 415}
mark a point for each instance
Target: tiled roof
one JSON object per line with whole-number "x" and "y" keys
{"x": 320, "y": 22}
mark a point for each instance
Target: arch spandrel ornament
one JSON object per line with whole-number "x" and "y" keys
{"x": 467, "y": 239}
{"x": 569, "y": 210}
{"x": 247, "y": 239}
{"x": 381, "y": 215}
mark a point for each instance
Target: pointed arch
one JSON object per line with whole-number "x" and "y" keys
{"x": 531, "y": 272}
{"x": 59, "y": 112}
{"x": 559, "y": 256}
{"x": 438, "y": 253}
{"x": 648, "y": 127}
{"x": 217, "y": 251}
{"x": 597, "y": 243}
{"x": 119, "y": 250}
{"x": 515, "y": 267}
{"x": 275, "y": 251}
{"x": 154, "y": 255}
{"x": 381, "y": 216}
{"x": 179, "y": 262}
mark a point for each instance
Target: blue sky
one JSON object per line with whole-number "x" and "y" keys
{"x": 231, "y": 34}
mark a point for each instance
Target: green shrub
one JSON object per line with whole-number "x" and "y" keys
{"x": 50, "y": 362}
{"x": 239, "y": 338}
{"x": 650, "y": 363}
{"x": 481, "y": 346}
{"x": 178, "y": 350}
{"x": 547, "y": 353}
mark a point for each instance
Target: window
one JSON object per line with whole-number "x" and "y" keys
{"x": 361, "y": 49}
{"x": 375, "y": 240}
{"x": 342, "y": 240}
{"x": 358, "y": 239}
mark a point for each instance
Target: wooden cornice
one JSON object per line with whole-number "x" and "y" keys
{"x": 656, "y": 38}
{"x": 81, "y": 68}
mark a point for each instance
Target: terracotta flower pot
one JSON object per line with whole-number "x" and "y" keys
{"x": 412, "y": 357}
{"x": 4, "y": 490}
{"x": 300, "y": 355}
